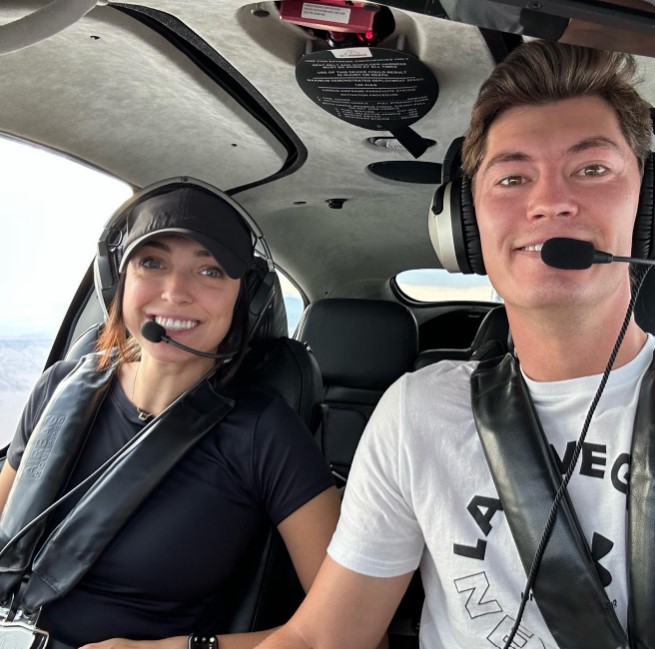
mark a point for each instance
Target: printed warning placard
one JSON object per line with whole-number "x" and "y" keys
{"x": 374, "y": 88}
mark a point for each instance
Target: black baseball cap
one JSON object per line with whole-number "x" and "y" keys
{"x": 193, "y": 212}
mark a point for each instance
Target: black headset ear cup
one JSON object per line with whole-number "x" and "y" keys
{"x": 470, "y": 233}
{"x": 258, "y": 290}
{"x": 643, "y": 243}
{"x": 106, "y": 265}
{"x": 261, "y": 286}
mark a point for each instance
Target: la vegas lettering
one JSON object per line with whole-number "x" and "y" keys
{"x": 593, "y": 463}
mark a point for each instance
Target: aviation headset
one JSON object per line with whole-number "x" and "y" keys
{"x": 454, "y": 230}
{"x": 260, "y": 280}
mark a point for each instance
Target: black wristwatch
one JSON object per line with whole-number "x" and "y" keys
{"x": 199, "y": 641}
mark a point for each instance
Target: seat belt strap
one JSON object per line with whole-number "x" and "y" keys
{"x": 47, "y": 462}
{"x": 567, "y": 590}
{"x": 75, "y": 544}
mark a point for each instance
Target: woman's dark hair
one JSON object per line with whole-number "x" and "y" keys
{"x": 116, "y": 344}
{"x": 114, "y": 341}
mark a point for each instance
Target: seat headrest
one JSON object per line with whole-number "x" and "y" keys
{"x": 274, "y": 320}
{"x": 360, "y": 343}
{"x": 287, "y": 367}
{"x": 494, "y": 327}
{"x": 492, "y": 338}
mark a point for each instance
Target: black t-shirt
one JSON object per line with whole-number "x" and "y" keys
{"x": 175, "y": 559}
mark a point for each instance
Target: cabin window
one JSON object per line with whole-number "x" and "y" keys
{"x": 52, "y": 210}
{"x": 293, "y": 301}
{"x": 438, "y": 285}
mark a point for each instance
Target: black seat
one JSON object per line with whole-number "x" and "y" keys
{"x": 85, "y": 343}
{"x": 266, "y": 588}
{"x": 362, "y": 347}
{"x": 491, "y": 339}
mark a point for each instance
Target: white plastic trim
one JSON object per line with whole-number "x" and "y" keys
{"x": 43, "y": 23}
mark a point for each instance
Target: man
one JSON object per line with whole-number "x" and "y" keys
{"x": 556, "y": 148}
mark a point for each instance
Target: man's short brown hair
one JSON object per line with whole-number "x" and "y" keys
{"x": 542, "y": 72}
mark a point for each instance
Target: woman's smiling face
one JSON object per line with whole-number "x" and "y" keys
{"x": 177, "y": 283}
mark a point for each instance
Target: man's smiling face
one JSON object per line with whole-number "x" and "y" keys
{"x": 558, "y": 170}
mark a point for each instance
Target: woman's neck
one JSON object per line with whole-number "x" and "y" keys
{"x": 152, "y": 386}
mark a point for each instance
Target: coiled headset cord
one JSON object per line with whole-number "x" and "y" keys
{"x": 638, "y": 276}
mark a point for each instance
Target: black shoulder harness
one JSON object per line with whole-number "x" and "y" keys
{"x": 567, "y": 589}
{"x": 75, "y": 544}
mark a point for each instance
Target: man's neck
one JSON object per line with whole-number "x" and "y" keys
{"x": 555, "y": 347}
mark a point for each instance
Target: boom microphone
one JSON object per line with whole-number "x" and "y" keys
{"x": 575, "y": 254}
{"x": 155, "y": 333}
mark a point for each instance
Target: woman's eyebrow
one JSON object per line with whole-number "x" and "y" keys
{"x": 156, "y": 244}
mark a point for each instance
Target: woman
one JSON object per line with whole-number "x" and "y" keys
{"x": 167, "y": 572}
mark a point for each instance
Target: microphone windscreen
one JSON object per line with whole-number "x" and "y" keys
{"x": 568, "y": 254}
{"x": 152, "y": 331}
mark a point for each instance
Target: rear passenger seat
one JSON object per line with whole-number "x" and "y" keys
{"x": 362, "y": 347}
{"x": 492, "y": 339}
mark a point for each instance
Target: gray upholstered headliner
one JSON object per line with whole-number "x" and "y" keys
{"x": 131, "y": 104}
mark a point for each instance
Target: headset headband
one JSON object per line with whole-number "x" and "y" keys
{"x": 111, "y": 240}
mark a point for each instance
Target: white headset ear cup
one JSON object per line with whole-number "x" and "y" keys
{"x": 453, "y": 228}
{"x": 440, "y": 228}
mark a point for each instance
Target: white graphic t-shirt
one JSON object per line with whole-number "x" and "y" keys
{"x": 420, "y": 492}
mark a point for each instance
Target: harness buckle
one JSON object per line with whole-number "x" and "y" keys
{"x": 18, "y": 630}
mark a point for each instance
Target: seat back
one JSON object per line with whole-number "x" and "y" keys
{"x": 362, "y": 347}
{"x": 492, "y": 338}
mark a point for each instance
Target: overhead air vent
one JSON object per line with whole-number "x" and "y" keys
{"x": 407, "y": 171}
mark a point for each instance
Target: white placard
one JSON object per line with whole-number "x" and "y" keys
{"x": 352, "y": 53}
{"x": 325, "y": 12}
